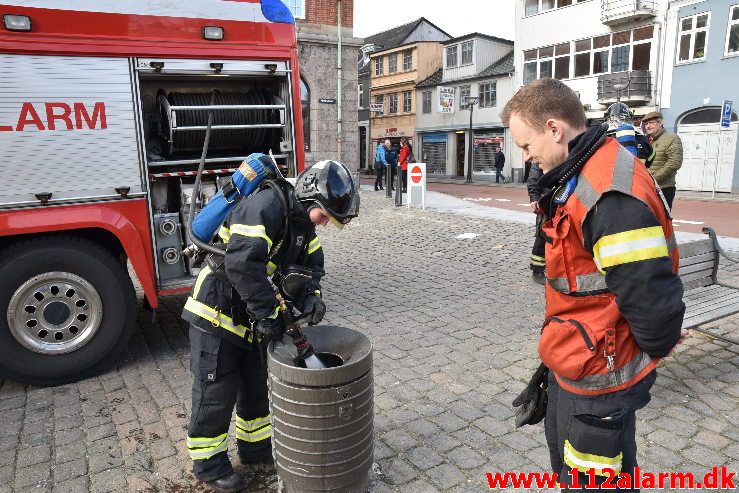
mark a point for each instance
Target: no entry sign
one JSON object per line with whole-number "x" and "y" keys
{"x": 417, "y": 184}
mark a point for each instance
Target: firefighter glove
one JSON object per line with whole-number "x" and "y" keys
{"x": 270, "y": 329}
{"x": 531, "y": 403}
{"x": 314, "y": 306}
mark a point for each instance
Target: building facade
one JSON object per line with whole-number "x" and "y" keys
{"x": 701, "y": 71}
{"x": 605, "y": 50}
{"x": 328, "y": 80}
{"x": 474, "y": 65}
{"x": 406, "y": 51}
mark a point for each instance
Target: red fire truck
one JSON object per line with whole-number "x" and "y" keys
{"x": 103, "y": 111}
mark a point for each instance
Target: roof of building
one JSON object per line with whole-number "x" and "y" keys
{"x": 397, "y": 35}
{"x": 477, "y": 35}
{"x": 502, "y": 67}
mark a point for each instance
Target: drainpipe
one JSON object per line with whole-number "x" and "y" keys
{"x": 338, "y": 83}
{"x": 661, "y": 66}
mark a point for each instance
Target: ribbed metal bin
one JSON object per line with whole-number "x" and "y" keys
{"x": 322, "y": 420}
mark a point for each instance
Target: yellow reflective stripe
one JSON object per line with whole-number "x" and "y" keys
{"x": 224, "y": 233}
{"x": 251, "y": 232}
{"x": 626, "y": 133}
{"x": 537, "y": 260}
{"x": 271, "y": 268}
{"x": 317, "y": 292}
{"x": 201, "y": 277}
{"x": 630, "y": 246}
{"x": 314, "y": 245}
{"x": 274, "y": 313}
{"x": 582, "y": 461}
{"x": 253, "y": 424}
{"x": 254, "y": 436}
{"x": 205, "y": 447}
{"x": 216, "y": 318}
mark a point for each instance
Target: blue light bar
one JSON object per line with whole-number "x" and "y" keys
{"x": 276, "y": 11}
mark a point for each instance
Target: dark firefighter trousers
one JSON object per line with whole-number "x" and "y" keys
{"x": 537, "y": 263}
{"x": 596, "y": 432}
{"x": 225, "y": 375}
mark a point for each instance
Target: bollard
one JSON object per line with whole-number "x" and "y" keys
{"x": 322, "y": 419}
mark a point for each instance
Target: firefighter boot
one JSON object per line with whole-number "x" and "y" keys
{"x": 228, "y": 484}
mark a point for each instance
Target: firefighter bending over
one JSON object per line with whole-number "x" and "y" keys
{"x": 234, "y": 312}
{"x": 613, "y": 297}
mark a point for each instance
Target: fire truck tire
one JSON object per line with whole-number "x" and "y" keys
{"x": 67, "y": 308}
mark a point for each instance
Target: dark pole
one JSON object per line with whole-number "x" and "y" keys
{"x": 470, "y": 151}
{"x": 388, "y": 180}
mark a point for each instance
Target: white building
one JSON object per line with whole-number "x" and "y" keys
{"x": 602, "y": 49}
{"x": 473, "y": 65}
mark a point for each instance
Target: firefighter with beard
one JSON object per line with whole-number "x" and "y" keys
{"x": 613, "y": 297}
{"x": 268, "y": 239}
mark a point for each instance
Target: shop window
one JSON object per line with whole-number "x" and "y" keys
{"x": 732, "y": 32}
{"x": 693, "y": 38}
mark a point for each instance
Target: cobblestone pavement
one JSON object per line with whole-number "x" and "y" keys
{"x": 453, "y": 323}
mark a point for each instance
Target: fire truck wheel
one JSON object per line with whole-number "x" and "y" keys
{"x": 67, "y": 308}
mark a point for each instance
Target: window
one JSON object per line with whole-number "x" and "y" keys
{"x": 305, "y": 104}
{"x": 533, "y": 7}
{"x": 732, "y": 32}
{"x": 693, "y": 38}
{"x": 407, "y": 95}
{"x": 360, "y": 96}
{"x": 297, "y": 7}
{"x": 530, "y": 65}
{"x": 393, "y": 98}
{"x": 621, "y": 51}
{"x": 464, "y": 92}
{"x": 380, "y": 100}
{"x": 562, "y": 61}
{"x": 601, "y": 52}
{"x": 466, "y": 52}
{"x": 408, "y": 60}
{"x": 451, "y": 56}
{"x": 488, "y": 97}
{"x": 379, "y": 66}
{"x": 546, "y": 63}
{"x": 392, "y": 63}
{"x": 426, "y": 98}
{"x": 705, "y": 115}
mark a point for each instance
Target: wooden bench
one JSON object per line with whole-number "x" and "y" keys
{"x": 706, "y": 299}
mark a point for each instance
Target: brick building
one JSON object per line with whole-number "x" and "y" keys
{"x": 329, "y": 110}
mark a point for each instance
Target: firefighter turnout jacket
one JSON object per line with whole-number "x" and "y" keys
{"x": 613, "y": 298}
{"x": 261, "y": 238}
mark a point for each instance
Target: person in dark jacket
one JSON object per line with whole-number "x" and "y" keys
{"x": 391, "y": 156}
{"x": 536, "y": 263}
{"x": 499, "y": 163}
{"x": 234, "y": 311}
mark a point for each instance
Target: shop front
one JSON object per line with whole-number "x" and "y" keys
{"x": 433, "y": 152}
{"x": 486, "y": 142}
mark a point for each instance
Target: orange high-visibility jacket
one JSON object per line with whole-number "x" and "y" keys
{"x": 585, "y": 340}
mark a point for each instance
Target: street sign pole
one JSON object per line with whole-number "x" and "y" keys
{"x": 726, "y": 110}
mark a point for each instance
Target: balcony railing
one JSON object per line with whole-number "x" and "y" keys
{"x": 631, "y": 87}
{"x": 621, "y": 11}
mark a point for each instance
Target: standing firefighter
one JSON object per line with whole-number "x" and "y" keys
{"x": 613, "y": 297}
{"x": 234, "y": 312}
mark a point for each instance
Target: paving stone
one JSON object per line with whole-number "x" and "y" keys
{"x": 445, "y": 476}
{"x": 69, "y": 470}
{"x": 424, "y": 458}
{"x": 419, "y": 486}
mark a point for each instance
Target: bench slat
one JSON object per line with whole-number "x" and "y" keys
{"x": 696, "y": 248}
{"x": 689, "y": 269}
{"x": 712, "y": 315}
{"x": 701, "y": 294}
{"x": 696, "y": 275}
{"x": 712, "y": 303}
{"x": 696, "y": 259}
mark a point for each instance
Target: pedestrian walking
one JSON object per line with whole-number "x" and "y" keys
{"x": 234, "y": 312}
{"x": 668, "y": 159}
{"x": 380, "y": 163}
{"x": 499, "y": 163}
{"x": 536, "y": 263}
{"x": 611, "y": 258}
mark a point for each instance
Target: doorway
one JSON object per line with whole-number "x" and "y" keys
{"x": 709, "y": 151}
{"x": 461, "y": 148}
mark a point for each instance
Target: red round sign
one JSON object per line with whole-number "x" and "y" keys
{"x": 416, "y": 174}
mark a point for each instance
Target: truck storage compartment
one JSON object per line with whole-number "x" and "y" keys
{"x": 250, "y": 114}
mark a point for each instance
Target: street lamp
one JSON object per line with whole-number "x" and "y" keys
{"x": 471, "y": 102}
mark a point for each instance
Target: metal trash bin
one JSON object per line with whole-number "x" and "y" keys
{"x": 322, "y": 419}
